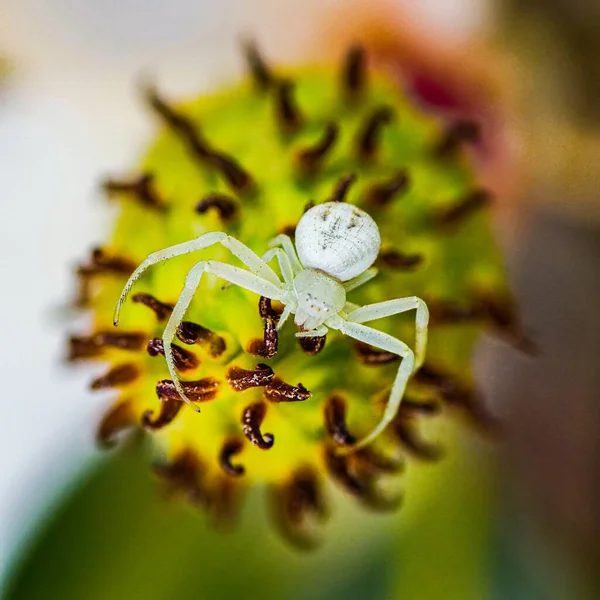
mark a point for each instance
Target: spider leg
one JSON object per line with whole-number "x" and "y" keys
{"x": 371, "y": 312}
{"x": 284, "y": 262}
{"x": 241, "y": 251}
{"x": 318, "y": 332}
{"x": 376, "y": 338}
{"x": 288, "y": 247}
{"x": 232, "y": 274}
{"x": 361, "y": 279}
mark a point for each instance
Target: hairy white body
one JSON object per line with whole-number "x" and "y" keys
{"x": 336, "y": 244}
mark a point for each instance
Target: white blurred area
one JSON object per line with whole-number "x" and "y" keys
{"x": 69, "y": 115}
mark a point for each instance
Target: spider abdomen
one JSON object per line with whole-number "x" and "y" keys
{"x": 338, "y": 239}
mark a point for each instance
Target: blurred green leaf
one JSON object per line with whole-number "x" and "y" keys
{"x": 116, "y": 538}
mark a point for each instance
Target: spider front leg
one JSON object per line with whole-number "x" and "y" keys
{"x": 232, "y": 274}
{"x": 372, "y": 312}
{"x": 318, "y": 332}
{"x": 386, "y": 342}
{"x": 288, "y": 246}
{"x": 241, "y": 251}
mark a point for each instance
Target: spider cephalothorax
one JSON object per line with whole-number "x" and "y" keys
{"x": 336, "y": 246}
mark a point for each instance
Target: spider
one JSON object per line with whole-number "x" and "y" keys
{"x": 336, "y": 246}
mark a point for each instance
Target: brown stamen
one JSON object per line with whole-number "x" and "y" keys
{"x": 287, "y": 111}
{"x": 310, "y": 204}
{"x": 295, "y": 502}
{"x": 372, "y": 356}
{"x": 252, "y": 419}
{"x": 279, "y": 391}
{"x": 231, "y": 171}
{"x": 169, "y": 409}
{"x": 183, "y": 476}
{"x": 335, "y": 421}
{"x": 119, "y": 375}
{"x": 266, "y": 309}
{"x": 406, "y": 433}
{"x": 231, "y": 447}
{"x": 162, "y": 310}
{"x": 411, "y": 408}
{"x": 201, "y": 390}
{"x": 354, "y": 72}
{"x": 101, "y": 263}
{"x": 242, "y": 379}
{"x": 312, "y": 157}
{"x": 341, "y": 189}
{"x": 179, "y": 123}
{"x": 341, "y": 470}
{"x": 184, "y": 359}
{"x": 370, "y": 463}
{"x": 457, "y": 395}
{"x": 92, "y": 346}
{"x": 191, "y": 333}
{"x": 368, "y": 137}
{"x": 380, "y": 195}
{"x": 456, "y": 135}
{"x": 397, "y": 260}
{"x": 142, "y": 189}
{"x": 120, "y": 417}
{"x": 261, "y": 74}
{"x": 469, "y": 205}
{"x": 312, "y": 345}
{"x": 224, "y": 205}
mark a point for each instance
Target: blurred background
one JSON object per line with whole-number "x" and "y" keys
{"x": 527, "y": 515}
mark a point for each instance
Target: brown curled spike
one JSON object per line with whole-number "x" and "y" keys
{"x": 340, "y": 193}
{"x": 224, "y": 205}
{"x": 142, "y": 189}
{"x": 312, "y": 345}
{"x": 406, "y": 433}
{"x": 120, "y": 417}
{"x": 463, "y": 209}
{"x": 191, "y": 333}
{"x": 242, "y": 379}
{"x": 335, "y": 421}
{"x": 252, "y": 419}
{"x": 458, "y": 133}
{"x": 92, "y": 346}
{"x": 373, "y": 356}
{"x": 231, "y": 171}
{"x": 201, "y": 390}
{"x": 179, "y": 123}
{"x": 82, "y": 348}
{"x": 279, "y": 391}
{"x": 287, "y": 111}
{"x": 169, "y": 409}
{"x": 312, "y": 157}
{"x": 116, "y": 376}
{"x": 183, "y": 475}
{"x": 259, "y": 70}
{"x": 267, "y": 347}
{"x": 501, "y": 313}
{"x": 162, "y": 310}
{"x": 354, "y": 72}
{"x": 294, "y": 503}
{"x": 103, "y": 263}
{"x": 380, "y": 195}
{"x": 343, "y": 473}
{"x": 184, "y": 360}
{"x": 231, "y": 447}
{"x": 266, "y": 309}
{"x": 410, "y": 408}
{"x": 368, "y": 137}
{"x": 372, "y": 463}
{"x": 394, "y": 259}
{"x": 457, "y": 395}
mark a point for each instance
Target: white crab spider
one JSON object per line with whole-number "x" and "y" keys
{"x": 336, "y": 244}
